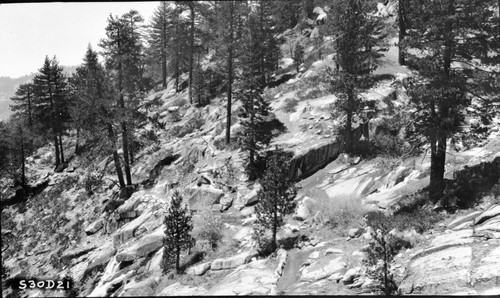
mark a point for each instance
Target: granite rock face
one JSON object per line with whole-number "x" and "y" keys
{"x": 204, "y": 196}
{"x": 256, "y": 278}
{"x": 309, "y": 161}
{"x": 233, "y": 262}
{"x": 460, "y": 261}
{"x": 144, "y": 246}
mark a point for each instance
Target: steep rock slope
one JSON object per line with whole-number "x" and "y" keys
{"x": 113, "y": 246}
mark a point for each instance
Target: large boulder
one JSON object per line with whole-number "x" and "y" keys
{"x": 199, "y": 269}
{"x": 129, "y": 208}
{"x": 203, "y": 197}
{"x": 234, "y": 261}
{"x": 94, "y": 227}
{"x": 321, "y": 269}
{"x": 243, "y": 234}
{"x": 303, "y": 211}
{"x": 226, "y": 201}
{"x": 127, "y": 231}
{"x": 143, "y": 247}
{"x": 351, "y": 274}
{"x": 248, "y": 199}
{"x": 100, "y": 258}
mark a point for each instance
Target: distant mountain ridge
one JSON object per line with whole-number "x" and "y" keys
{"x": 8, "y": 87}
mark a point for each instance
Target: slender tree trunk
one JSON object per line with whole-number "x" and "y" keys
{"x": 261, "y": 48}
{"x": 177, "y": 71}
{"x": 164, "y": 47}
{"x": 132, "y": 143}
{"x": 125, "y": 144}
{"x": 402, "y": 32}
{"x": 177, "y": 54}
{"x": 61, "y": 150}
{"x": 30, "y": 118}
{"x": 275, "y": 225}
{"x": 387, "y": 289}
{"x": 126, "y": 153}
{"x": 229, "y": 75}
{"x": 116, "y": 157}
{"x": 23, "y": 162}
{"x": 200, "y": 88}
{"x": 54, "y": 130}
{"x": 56, "y": 146}
{"x": 77, "y": 146}
{"x": 438, "y": 158}
{"x": 178, "y": 259}
{"x": 30, "y": 122}
{"x": 349, "y": 134}
{"x": 163, "y": 68}
{"x": 191, "y": 53}
{"x": 438, "y": 140}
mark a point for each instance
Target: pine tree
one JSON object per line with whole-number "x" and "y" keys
{"x": 354, "y": 41}
{"x": 457, "y": 38}
{"x": 93, "y": 107}
{"x": 158, "y": 37}
{"x": 403, "y": 22}
{"x": 178, "y": 226}
{"x": 51, "y": 110}
{"x": 5, "y": 149}
{"x": 23, "y": 100}
{"x": 276, "y": 198}
{"x": 254, "y": 136}
{"x": 200, "y": 83}
{"x": 192, "y": 5}
{"x": 268, "y": 44}
{"x": 123, "y": 50}
{"x": 228, "y": 28}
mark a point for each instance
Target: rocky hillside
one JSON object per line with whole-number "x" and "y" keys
{"x": 79, "y": 224}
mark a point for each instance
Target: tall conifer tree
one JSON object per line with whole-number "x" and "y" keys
{"x": 457, "y": 39}
{"x": 353, "y": 30}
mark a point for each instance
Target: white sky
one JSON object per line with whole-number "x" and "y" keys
{"x": 30, "y": 31}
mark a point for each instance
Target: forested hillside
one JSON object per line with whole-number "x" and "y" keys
{"x": 262, "y": 147}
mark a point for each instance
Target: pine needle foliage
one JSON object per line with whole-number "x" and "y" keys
{"x": 255, "y": 136}
{"x": 453, "y": 44}
{"x": 354, "y": 46}
{"x": 178, "y": 226}
{"x": 276, "y": 198}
